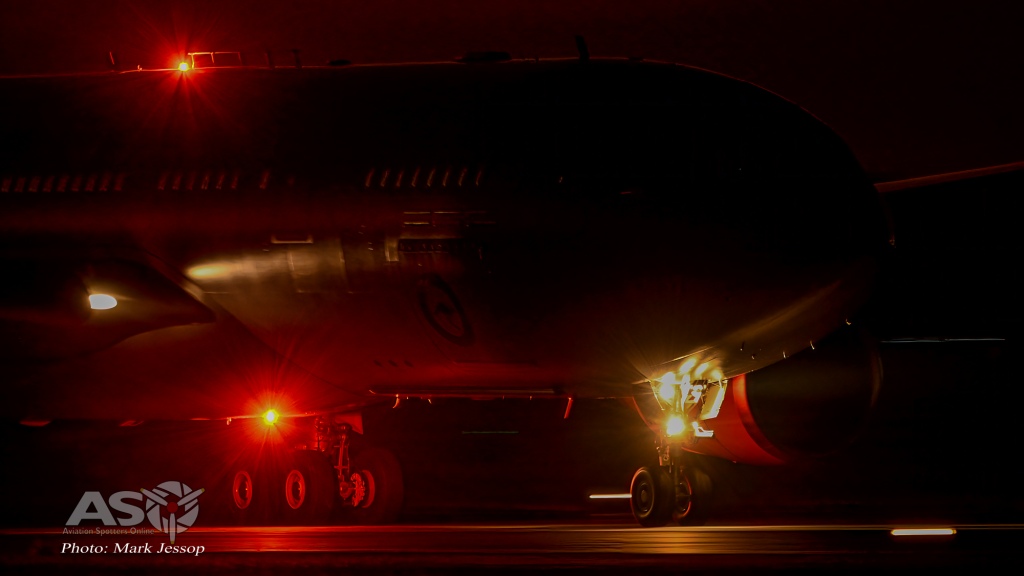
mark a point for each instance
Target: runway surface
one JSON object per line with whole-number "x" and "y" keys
{"x": 612, "y": 545}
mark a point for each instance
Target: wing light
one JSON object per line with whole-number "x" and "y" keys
{"x": 102, "y": 301}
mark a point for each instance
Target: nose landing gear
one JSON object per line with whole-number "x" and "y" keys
{"x": 676, "y": 490}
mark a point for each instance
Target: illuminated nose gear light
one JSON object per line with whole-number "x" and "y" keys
{"x": 102, "y": 301}
{"x": 688, "y": 365}
{"x": 270, "y": 417}
{"x": 675, "y": 425}
{"x": 699, "y": 370}
{"x": 183, "y": 66}
{"x": 688, "y": 402}
{"x": 667, "y": 391}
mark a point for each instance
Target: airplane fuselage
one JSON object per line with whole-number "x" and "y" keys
{"x": 555, "y": 228}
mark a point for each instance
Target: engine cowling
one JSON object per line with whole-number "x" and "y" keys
{"x": 819, "y": 400}
{"x": 809, "y": 404}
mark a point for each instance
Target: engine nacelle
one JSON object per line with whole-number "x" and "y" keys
{"x": 809, "y": 404}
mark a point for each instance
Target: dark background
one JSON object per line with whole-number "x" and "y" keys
{"x": 916, "y": 88}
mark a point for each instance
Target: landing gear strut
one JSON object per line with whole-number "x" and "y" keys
{"x": 676, "y": 490}
{"x": 370, "y": 488}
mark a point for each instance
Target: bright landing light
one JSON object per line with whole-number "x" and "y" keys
{"x": 674, "y": 426}
{"x": 102, "y": 301}
{"x": 183, "y": 66}
{"x": 667, "y": 391}
{"x": 270, "y": 417}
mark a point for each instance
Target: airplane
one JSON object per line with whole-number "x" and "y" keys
{"x": 283, "y": 248}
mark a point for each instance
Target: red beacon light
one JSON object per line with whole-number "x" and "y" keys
{"x": 183, "y": 66}
{"x": 270, "y": 417}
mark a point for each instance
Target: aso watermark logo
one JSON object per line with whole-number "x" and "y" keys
{"x": 171, "y": 508}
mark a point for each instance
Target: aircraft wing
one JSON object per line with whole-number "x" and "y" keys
{"x": 46, "y": 309}
{"x": 931, "y": 180}
{"x": 948, "y": 278}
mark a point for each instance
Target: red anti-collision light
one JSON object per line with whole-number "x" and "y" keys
{"x": 270, "y": 417}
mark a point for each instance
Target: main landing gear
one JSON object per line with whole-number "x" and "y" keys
{"x": 676, "y": 490}
{"x": 369, "y": 480}
{"x": 331, "y": 480}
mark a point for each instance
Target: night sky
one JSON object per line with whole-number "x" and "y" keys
{"x": 915, "y": 88}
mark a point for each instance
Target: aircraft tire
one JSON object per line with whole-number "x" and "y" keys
{"x": 309, "y": 488}
{"x": 385, "y": 488}
{"x": 652, "y": 497}
{"x": 246, "y": 494}
{"x": 693, "y": 498}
